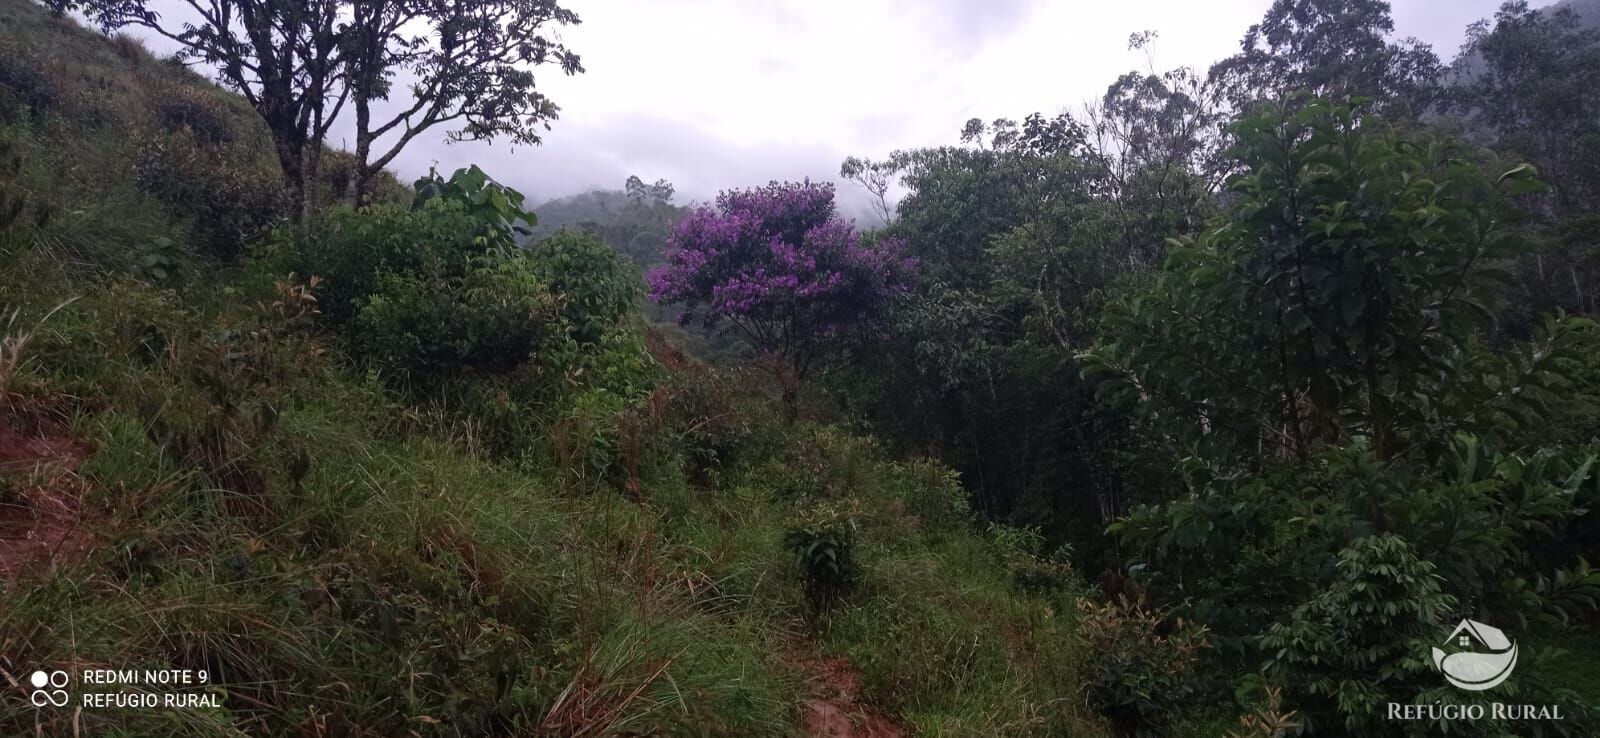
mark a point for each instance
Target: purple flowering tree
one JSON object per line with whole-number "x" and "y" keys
{"x": 778, "y": 265}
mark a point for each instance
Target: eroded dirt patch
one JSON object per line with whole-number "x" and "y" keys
{"x": 41, "y": 521}
{"x": 835, "y": 708}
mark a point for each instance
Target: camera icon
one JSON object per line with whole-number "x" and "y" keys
{"x": 48, "y": 688}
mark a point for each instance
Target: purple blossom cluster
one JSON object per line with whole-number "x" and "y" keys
{"x": 779, "y": 263}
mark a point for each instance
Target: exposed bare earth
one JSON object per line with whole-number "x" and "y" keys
{"x": 40, "y": 495}
{"x": 835, "y": 708}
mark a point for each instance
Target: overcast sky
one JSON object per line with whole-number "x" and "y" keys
{"x": 713, "y": 94}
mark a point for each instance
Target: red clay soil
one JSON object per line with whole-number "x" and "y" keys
{"x": 40, "y": 525}
{"x": 835, "y": 708}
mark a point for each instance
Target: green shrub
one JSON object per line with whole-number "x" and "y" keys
{"x": 1386, "y": 606}
{"x": 14, "y": 201}
{"x": 485, "y": 312}
{"x": 157, "y": 261}
{"x": 598, "y": 286}
{"x": 496, "y": 207}
{"x": 824, "y": 463}
{"x": 199, "y": 111}
{"x": 420, "y": 294}
{"x": 708, "y": 411}
{"x": 822, "y": 541}
{"x": 354, "y": 250}
{"x": 24, "y": 91}
{"x": 229, "y": 199}
{"x": 1021, "y": 551}
{"x": 1143, "y": 668}
{"x": 933, "y": 492}
{"x": 438, "y": 299}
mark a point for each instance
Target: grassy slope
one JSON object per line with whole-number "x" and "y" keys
{"x": 342, "y": 565}
{"x": 95, "y": 108}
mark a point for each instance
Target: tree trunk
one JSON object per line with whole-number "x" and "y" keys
{"x": 309, "y": 178}
{"x": 291, "y": 158}
{"x": 791, "y": 398}
{"x": 363, "y": 175}
{"x": 789, "y": 382}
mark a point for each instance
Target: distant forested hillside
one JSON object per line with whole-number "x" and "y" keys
{"x": 635, "y": 221}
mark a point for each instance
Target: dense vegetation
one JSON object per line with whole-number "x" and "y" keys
{"x": 1209, "y": 409}
{"x": 1299, "y": 349}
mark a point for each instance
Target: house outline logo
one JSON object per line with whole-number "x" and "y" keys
{"x": 1489, "y": 662}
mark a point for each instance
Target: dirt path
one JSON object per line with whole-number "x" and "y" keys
{"x": 835, "y": 708}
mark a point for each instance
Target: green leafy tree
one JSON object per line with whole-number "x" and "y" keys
{"x": 658, "y": 192}
{"x": 1529, "y": 84}
{"x": 944, "y": 376}
{"x": 1356, "y": 465}
{"x": 469, "y": 66}
{"x": 1356, "y": 271}
{"x": 1532, "y": 79}
{"x": 1158, "y": 144}
{"x": 1331, "y": 48}
{"x": 1021, "y": 233}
